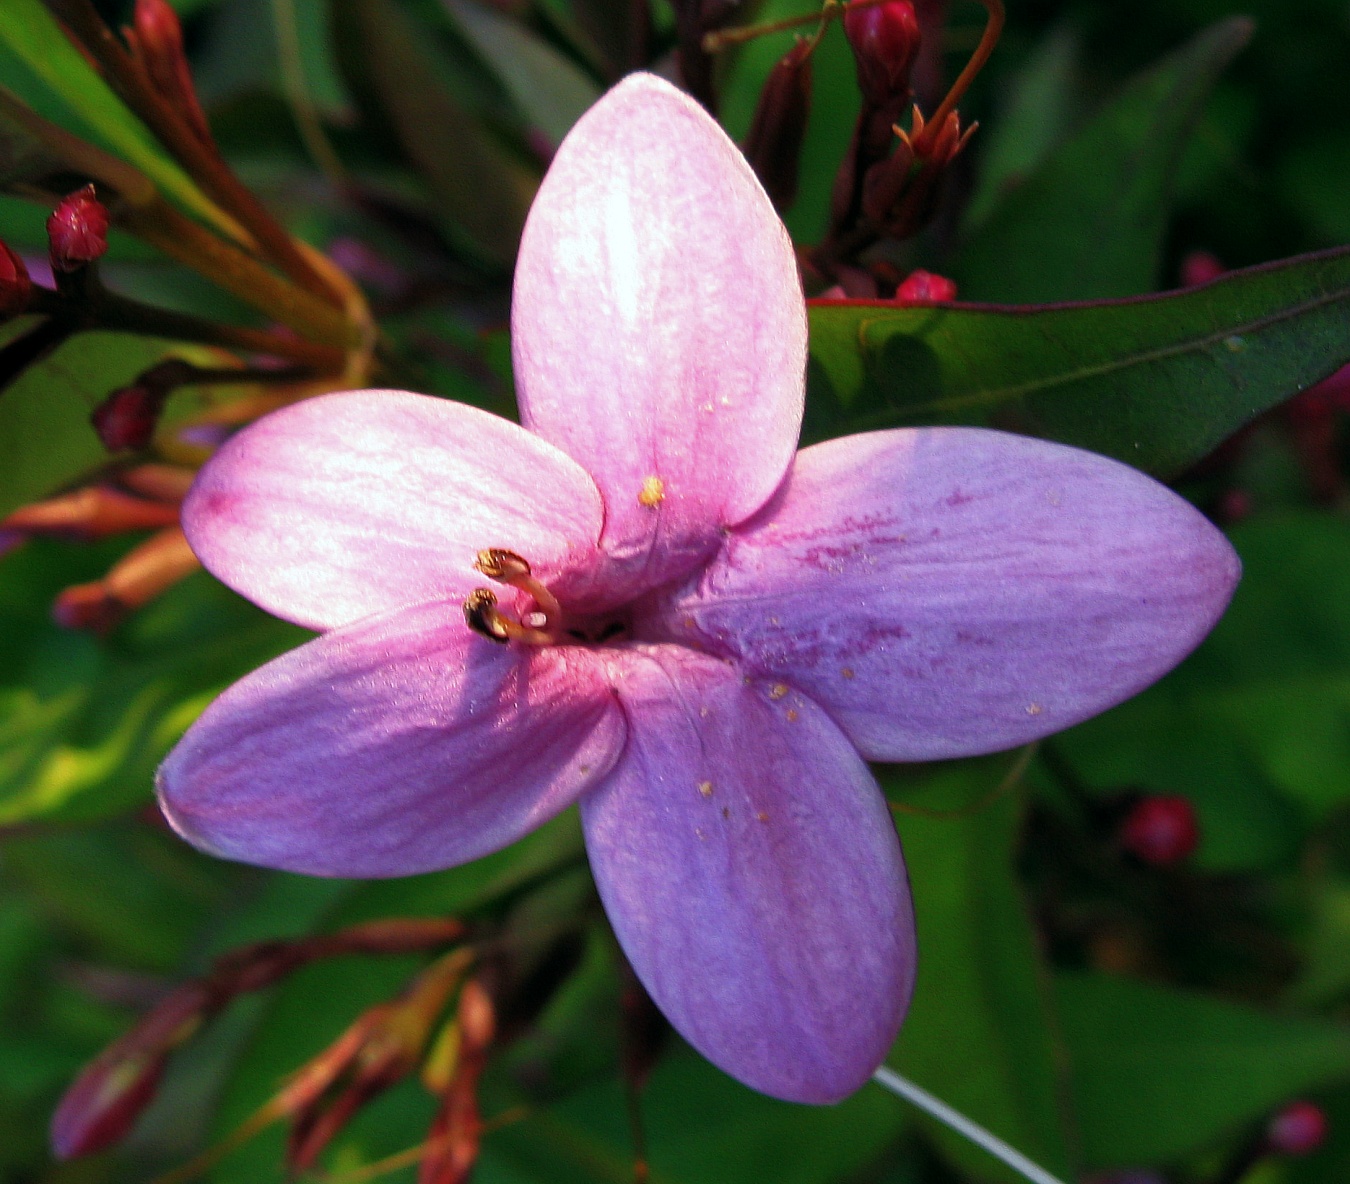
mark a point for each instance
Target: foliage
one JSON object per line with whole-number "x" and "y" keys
{"x": 1095, "y": 1012}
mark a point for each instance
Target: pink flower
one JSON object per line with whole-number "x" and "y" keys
{"x": 737, "y": 630}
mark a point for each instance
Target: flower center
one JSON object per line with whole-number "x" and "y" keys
{"x": 542, "y": 627}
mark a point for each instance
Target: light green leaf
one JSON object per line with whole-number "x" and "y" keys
{"x": 84, "y": 722}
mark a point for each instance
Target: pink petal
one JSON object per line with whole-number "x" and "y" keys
{"x": 659, "y": 328}
{"x": 352, "y": 504}
{"x": 401, "y": 744}
{"x": 753, "y": 876}
{"x": 951, "y": 591}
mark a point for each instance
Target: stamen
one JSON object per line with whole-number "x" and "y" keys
{"x": 480, "y": 611}
{"x": 506, "y": 567}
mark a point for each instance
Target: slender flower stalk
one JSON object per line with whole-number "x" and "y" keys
{"x": 902, "y": 1087}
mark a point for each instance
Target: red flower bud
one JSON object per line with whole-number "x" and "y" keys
{"x": 885, "y": 41}
{"x": 1199, "y": 267}
{"x": 773, "y": 146}
{"x": 1297, "y": 1128}
{"x": 158, "y": 42}
{"x": 110, "y": 1093}
{"x": 78, "y": 230}
{"x": 127, "y": 418}
{"x": 139, "y": 576}
{"x": 923, "y": 287}
{"x": 15, "y": 286}
{"x": 1161, "y": 830}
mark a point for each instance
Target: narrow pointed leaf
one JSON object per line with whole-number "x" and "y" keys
{"x": 30, "y": 32}
{"x": 979, "y": 1032}
{"x": 1156, "y": 381}
{"x": 1089, "y": 223}
{"x": 550, "y": 91}
{"x": 483, "y": 193}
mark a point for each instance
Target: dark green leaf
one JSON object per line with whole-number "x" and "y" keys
{"x": 1039, "y": 110}
{"x": 1089, "y": 223}
{"x": 1156, "y": 381}
{"x": 45, "y": 437}
{"x": 483, "y": 192}
{"x": 1158, "y": 1072}
{"x": 1254, "y": 726}
{"x": 550, "y": 91}
{"x": 979, "y": 1034}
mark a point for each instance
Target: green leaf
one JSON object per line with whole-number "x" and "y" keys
{"x": 30, "y": 32}
{"x": 483, "y": 192}
{"x": 1039, "y": 108}
{"x": 1254, "y": 725}
{"x": 701, "y": 1126}
{"x": 133, "y": 895}
{"x": 1158, "y": 1072}
{"x": 45, "y": 436}
{"x": 550, "y": 91}
{"x": 979, "y": 1033}
{"x": 1089, "y": 224}
{"x": 1156, "y": 381}
{"x": 83, "y": 722}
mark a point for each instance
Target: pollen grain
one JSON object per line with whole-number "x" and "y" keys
{"x": 652, "y": 493}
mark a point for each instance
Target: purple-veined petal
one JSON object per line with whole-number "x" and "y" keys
{"x": 402, "y": 744}
{"x": 659, "y": 328}
{"x": 951, "y": 591}
{"x": 750, "y": 868}
{"x": 352, "y": 504}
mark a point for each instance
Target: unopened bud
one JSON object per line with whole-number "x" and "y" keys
{"x": 94, "y": 512}
{"x": 1161, "y": 830}
{"x": 773, "y": 146}
{"x": 16, "y": 288}
{"x": 158, "y": 41}
{"x": 111, "y": 1092}
{"x": 885, "y": 40}
{"x": 923, "y": 287}
{"x": 141, "y": 575}
{"x": 77, "y": 230}
{"x": 1200, "y": 267}
{"x": 1297, "y": 1128}
{"x": 127, "y": 418}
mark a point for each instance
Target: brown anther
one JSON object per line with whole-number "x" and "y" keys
{"x": 504, "y": 566}
{"x": 480, "y": 611}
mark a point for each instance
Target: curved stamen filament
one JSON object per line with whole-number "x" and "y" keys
{"x": 483, "y": 616}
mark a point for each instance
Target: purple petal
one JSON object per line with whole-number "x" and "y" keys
{"x": 352, "y": 504}
{"x": 402, "y": 744}
{"x": 659, "y": 328}
{"x": 753, "y": 876}
{"x": 952, "y": 591}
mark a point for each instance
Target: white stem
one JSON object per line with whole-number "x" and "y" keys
{"x": 904, "y": 1088}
